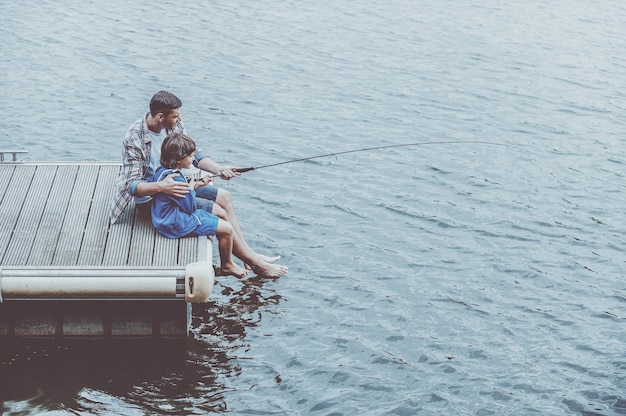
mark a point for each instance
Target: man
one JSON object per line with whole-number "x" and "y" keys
{"x": 140, "y": 159}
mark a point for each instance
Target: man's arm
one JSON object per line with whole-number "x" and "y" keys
{"x": 138, "y": 186}
{"x": 225, "y": 172}
{"x": 167, "y": 186}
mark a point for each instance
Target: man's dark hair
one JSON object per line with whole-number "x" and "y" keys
{"x": 164, "y": 102}
{"x": 175, "y": 148}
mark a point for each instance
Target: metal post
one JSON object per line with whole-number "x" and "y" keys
{"x": 14, "y": 154}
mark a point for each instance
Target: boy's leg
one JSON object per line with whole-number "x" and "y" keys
{"x": 230, "y": 243}
{"x": 224, "y": 236}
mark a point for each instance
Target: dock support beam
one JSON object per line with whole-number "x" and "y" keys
{"x": 99, "y": 319}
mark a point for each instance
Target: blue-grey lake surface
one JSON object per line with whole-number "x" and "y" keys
{"x": 443, "y": 279}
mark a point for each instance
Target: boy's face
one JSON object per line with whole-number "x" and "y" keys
{"x": 186, "y": 163}
{"x": 169, "y": 121}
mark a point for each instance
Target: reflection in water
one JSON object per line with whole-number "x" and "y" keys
{"x": 147, "y": 375}
{"x": 49, "y": 374}
{"x": 221, "y": 325}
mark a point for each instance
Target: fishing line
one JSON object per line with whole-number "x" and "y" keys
{"x": 368, "y": 149}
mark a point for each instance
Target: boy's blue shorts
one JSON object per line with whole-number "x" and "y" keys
{"x": 208, "y": 224}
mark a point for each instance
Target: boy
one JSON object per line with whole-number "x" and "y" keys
{"x": 176, "y": 217}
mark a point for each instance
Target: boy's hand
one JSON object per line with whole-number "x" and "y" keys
{"x": 205, "y": 180}
{"x": 193, "y": 184}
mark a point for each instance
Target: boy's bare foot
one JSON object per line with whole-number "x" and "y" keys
{"x": 264, "y": 269}
{"x": 233, "y": 270}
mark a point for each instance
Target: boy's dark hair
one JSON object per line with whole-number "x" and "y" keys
{"x": 175, "y": 148}
{"x": 164, "y": 102}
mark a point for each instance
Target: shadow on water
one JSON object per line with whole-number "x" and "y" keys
{"x": 138, "y": 376}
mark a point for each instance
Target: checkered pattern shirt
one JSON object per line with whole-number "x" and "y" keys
{"x": 135, "y": 163}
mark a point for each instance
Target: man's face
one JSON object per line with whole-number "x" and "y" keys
{"x": 169, "y": 121}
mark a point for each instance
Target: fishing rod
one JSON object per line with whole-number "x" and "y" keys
{"x": 368, "y": 149}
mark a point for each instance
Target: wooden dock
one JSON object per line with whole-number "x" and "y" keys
{"x": 59, "y": 255}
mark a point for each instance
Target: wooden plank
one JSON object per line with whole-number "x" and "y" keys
{"x": 119, "y": 239}
{"x": 142, "y": 242}
{"x": 188, "y": 251}
{"x": 68, "y": 247}
{"x": 165, "y": 251}
{"x": 25, "y": 230}
{"x": 12, "y": 203}
{"x": 51, "y": 223}
{"x": 96, "y": 229}
{"x": 6, "y": 173}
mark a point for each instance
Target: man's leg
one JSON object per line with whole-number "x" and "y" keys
{"x": 256, "y": 262}
{"x": 224, "y": 209}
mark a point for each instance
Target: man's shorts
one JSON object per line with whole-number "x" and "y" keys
{"x": 205, "y": 197}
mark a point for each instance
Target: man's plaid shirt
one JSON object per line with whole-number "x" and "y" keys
{"x": 135, "y": 163}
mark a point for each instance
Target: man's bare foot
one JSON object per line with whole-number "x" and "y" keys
{"x": 269, "y": 259}
{"x": 233, "y": 270}
{"x": 264, "y": 269}
{"x": 266, "y": 259}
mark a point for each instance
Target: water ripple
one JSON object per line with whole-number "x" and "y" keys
{"x": 448, "y": 279}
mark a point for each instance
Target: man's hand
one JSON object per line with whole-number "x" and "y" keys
{"x": 171, "y": 187}
{"x": 228, "y": 172}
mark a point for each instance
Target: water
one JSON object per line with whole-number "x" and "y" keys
{"x": 441, "y": 279}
